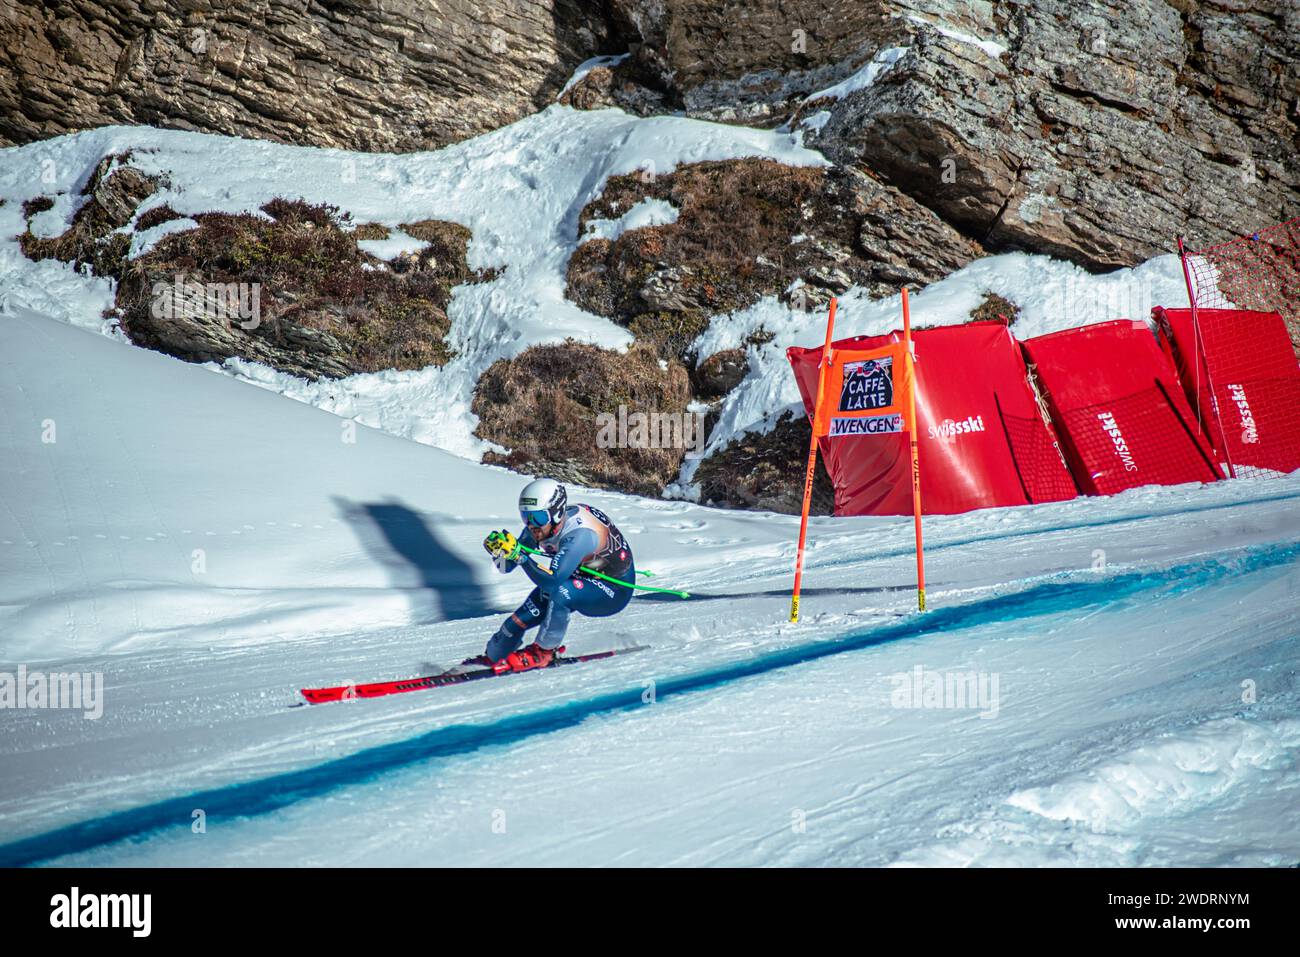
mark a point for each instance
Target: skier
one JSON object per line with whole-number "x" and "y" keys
{"x": 569, "y": 535}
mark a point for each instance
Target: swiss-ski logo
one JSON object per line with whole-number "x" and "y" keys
{"x": 949, "y": 429}
{"x": 1111, "y": 428}
{"x": 868, "y": 384}
{"x": 1249, "y": 434}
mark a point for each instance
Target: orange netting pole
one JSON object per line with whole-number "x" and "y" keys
{"x": 812, "y": 461}
{"x": 916, "y": 458}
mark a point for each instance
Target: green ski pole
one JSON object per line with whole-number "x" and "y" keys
{"x": 615, "y": 581}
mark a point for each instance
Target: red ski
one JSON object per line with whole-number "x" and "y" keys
{"x": 379, "y": 689}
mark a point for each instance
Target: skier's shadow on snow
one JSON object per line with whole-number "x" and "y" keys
{"x": 401, "y": 540}
{"x": 776, "y": 592}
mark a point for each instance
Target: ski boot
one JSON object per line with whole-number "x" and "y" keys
{"x": 527, "y": 659}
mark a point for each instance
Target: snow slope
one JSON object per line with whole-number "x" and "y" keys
{"x": 1144, "y": 649}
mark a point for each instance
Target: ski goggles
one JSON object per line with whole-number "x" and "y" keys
{"x": 536, "y": 518}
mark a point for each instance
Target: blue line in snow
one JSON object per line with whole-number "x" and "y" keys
{"x": 1063, "y": 527}
{"x": 265, "y": 795}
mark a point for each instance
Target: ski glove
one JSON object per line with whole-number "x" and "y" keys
{"x": 504, "y": 549}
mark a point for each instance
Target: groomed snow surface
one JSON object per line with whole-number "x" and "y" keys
{"x": 210, "y": 548}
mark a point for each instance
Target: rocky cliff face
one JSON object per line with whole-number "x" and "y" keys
{"x": 362, "y": 74}
{"x": 1094, "y": 130}
{"x": 746, "y": 60}
{"x": 1101, "y": 132}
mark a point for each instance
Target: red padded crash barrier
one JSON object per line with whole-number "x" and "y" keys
{"x": 1118, "y": 408}
{"x": 982, "y": 438}
{"x": 1249, "y": 359}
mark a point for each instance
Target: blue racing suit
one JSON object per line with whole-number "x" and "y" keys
{"x": 585, "y": 537}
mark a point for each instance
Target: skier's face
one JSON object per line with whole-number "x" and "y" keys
{"x": 539, "y": 524}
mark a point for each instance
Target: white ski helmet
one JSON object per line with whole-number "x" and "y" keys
{"x": 542, "y": 502}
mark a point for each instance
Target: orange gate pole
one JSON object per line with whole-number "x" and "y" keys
{"x": 812, "y": 462}
{"x": 916, "y": 458}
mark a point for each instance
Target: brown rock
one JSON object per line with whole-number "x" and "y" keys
{"x": 1104, "y": 130}
{"x": 360, "y": 74}
{"x": 593, "y": 91}
{"x": 747, "y": 62}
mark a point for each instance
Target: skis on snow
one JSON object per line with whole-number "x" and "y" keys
{"x": 379, "y": 689}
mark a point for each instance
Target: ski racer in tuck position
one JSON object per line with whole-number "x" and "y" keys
{"x": 569, "y": 536}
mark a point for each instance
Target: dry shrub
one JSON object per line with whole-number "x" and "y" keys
{"x": 766, "y": 471}
{"x": 297, "y": 212}
{"x": 995, "y": 308}
{"x": 313, "y": 276}
{"x": 370, "y": 231}
{"x": 729, "y": 246}
{"x": 730, "y": 213}
{"x": 670, "y": 334}
{"x": 156, "y": 217}
{"x": 37, "y": 204}
{"x": 543, "y": 405}
{"x": 115, "y": 190}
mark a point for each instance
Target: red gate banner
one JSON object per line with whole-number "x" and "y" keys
{"x": 983, "y": 441}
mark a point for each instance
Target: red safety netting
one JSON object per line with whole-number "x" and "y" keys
{"x": 1118, "y": 408}
{"x": 1247, "y": 373}
{"x": 1039, "y": 459}
{"x": 983, "y": 441}
{"x": 1259, "y": 272}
